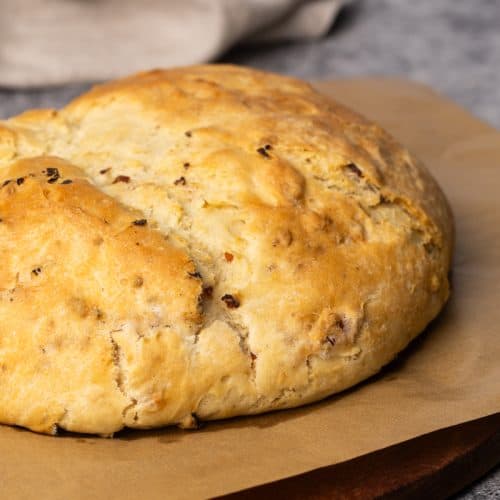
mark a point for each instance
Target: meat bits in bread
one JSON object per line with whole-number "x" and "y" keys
{"x": 204, "y": 242}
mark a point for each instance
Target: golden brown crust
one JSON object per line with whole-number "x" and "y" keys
{"x": 230, "y": 242}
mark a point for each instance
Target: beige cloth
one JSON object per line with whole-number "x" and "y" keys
{"x": 44, "y": 42}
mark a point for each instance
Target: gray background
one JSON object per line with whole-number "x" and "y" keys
{"x": 452, "y": 45}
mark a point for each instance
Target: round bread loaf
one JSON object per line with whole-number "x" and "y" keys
{"x": 205, "y": 242}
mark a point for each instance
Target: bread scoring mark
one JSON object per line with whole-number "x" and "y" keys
{"x": 204, "y": 295}
{"x": 202, "y": 305}
{"x": 244, "y": 344}
{"x": 119, "y": 375}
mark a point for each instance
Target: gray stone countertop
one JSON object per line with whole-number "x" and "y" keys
{"x": 451, "y": 45}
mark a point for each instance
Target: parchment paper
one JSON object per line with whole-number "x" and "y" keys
{"x": 449, "y": 375}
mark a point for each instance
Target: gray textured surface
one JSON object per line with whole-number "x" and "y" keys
{"x": 452, "y": 45}
{"x": 487, "y": 488}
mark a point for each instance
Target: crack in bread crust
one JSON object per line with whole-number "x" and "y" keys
{"x": 206, "y": 242}
{"x": 120, "y": 378}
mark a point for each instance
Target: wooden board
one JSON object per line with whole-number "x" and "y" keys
{"x": 435, "y": 466}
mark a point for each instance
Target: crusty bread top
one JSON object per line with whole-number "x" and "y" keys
{"x": 206, "y": 241}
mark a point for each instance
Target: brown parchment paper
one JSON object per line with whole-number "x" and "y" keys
{"x": 449, "y": 375}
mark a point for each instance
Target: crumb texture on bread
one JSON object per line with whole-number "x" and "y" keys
{"x": 205, "y": 242}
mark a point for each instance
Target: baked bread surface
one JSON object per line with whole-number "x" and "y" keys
{"x": 205, "y": 242}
